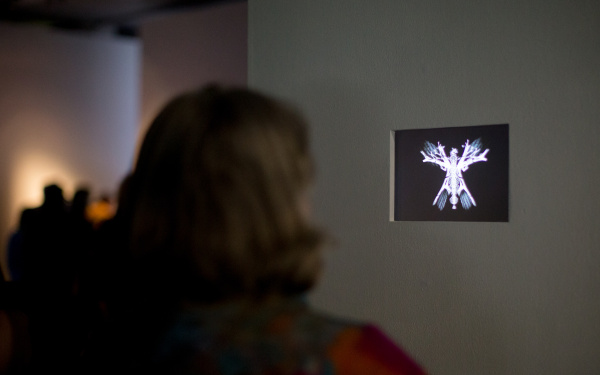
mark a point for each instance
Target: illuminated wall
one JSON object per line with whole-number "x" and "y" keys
{"x": 68, "y": 114}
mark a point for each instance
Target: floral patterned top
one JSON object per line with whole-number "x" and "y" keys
{"x": 276, "y": 338}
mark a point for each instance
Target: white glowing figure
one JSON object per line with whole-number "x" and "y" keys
{"x": 454, "y": 185}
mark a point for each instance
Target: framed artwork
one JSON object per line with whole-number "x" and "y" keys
{"x": 449, "y": 174}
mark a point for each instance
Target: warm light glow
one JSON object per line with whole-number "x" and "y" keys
{"x": 34, "y": 170}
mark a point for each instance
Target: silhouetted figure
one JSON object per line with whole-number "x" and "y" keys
{"x": 16, "y": 258}
{"x": 44, "y": 241}
{"x": 108, "y": 257}
{"x": 15, "y": 342}
{"x": 80, "y": 232}
{"x": 49, "y": 268}
{"x": 101, "y": 283}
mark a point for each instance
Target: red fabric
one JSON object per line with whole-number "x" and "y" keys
{"x": 366, "y": 350}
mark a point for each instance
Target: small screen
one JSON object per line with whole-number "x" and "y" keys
{"x": 450, "y": 174}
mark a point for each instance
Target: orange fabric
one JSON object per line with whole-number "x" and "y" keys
{"x": 99, "y": 212}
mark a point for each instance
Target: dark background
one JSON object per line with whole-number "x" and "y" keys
{"x": 417, "y": 183}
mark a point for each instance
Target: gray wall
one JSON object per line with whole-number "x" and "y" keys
{"x": 521, "y": 297}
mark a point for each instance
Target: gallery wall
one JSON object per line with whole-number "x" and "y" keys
{"x": 462, "y": 297}
{"x": 68, "y": 114}
{"x": 185, "y": 50}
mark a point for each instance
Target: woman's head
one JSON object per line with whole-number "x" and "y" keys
{"x": 215, "y": 198}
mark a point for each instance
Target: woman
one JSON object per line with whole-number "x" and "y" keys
{"x": 222, "y": 249}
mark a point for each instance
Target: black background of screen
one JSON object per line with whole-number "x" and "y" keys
{"x": 417, "y": 183}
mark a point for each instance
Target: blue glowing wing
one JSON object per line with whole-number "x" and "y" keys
{"x": 440, "y": 200}
{"x": 430, "y": 149}
{"x": 476, "y": 145}
{"x": 465, "y": 200}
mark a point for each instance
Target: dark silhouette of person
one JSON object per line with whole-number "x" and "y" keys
{"x": 15, "y": 256}
{"x": 47, "y": 248}
{"x": 80, "y": 233}
{"x": 43, "y": 241}
{"x": 107, "y": 255}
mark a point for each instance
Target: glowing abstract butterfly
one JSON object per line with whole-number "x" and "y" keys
{"x": 454, "y": 185}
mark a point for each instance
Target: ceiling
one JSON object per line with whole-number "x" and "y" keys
{"x": 92, "y": 14}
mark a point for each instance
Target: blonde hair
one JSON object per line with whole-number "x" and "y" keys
{"x": 214, "y": 198}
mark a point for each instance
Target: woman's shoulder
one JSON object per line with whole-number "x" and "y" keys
{"x": 355, "y": 347}
{"x": 350, "y": 346}
{"x": 291, "y": 333}
{"x": 366, "y": 349}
